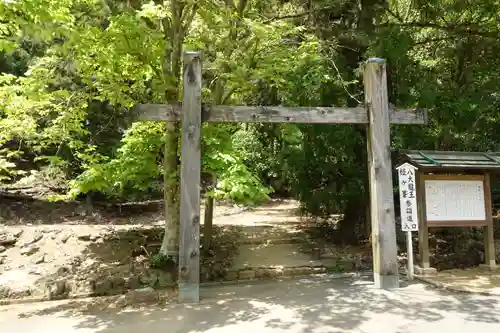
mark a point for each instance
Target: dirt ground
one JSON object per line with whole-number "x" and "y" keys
{"x": 53, "y": 251}
{"x": 475, "y": 280}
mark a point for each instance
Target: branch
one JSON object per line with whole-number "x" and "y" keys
{"x": 457, "y": 29}
{"x": 434, "y": 40}
{"x": 188, "y": 19}
{"x": 297, "y": 15}
{"x": 393, "y": 14}
{"x": 241, "y": 7}
{"x": 230, "y": 3}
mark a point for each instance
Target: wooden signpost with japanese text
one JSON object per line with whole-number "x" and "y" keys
{"x": 408, "y": 207}
{"x": 375, "y": 114}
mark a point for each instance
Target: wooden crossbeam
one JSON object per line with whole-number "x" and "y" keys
{"x": 278, "y": 114}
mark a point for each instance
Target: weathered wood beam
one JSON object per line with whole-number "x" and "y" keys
{"x": 278, "y": 114}
{"x": 385, "y": 255}
{"x": 189, "y": 243}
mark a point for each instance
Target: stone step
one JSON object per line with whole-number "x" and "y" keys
{"x": 273, "y": 272}
{"x": 271, "y": 240}
{"x": 270, "y": 234}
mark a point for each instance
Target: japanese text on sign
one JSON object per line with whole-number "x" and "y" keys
{"x": 408, "y": 197}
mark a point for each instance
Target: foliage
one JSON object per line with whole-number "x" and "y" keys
{"x": 72, "y": 70}
{"x": 160, "y": 261}
{"x": 114, "y": 60}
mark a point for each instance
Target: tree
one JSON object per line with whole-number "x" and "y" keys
{"x": 106, "y": 58}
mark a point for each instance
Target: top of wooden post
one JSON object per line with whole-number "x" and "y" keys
{"x": 376, "y": 60}
{"x": 191, "y": 55}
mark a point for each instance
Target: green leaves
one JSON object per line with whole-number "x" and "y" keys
{"x": 72, "y": 70}
{"x": 135, "y": 166}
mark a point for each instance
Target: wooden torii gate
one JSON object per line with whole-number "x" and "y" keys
{"x": 376, "y": 114}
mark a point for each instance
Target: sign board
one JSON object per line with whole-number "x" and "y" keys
{"x": 408, "y": 197}
{"x": 455, "y": 200}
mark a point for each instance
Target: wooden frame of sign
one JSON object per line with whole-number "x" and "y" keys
{"x": 483, "y": 219}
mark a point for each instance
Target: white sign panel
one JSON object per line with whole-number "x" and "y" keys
{"x": 408, "y": 197}
{"x": 455, "y": 200}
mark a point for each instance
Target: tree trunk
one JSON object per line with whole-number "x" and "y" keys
{"x": 170, "y": 243}
{"x": 174, "y": 33}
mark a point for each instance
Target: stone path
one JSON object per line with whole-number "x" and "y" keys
{"x": 313, "y": 305}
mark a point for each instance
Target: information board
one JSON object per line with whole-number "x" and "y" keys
{"x": 455, "y": 200}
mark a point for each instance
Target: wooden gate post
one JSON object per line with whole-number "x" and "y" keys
{"x": 189, "y": 243}
{"x": 385, "y": 263}
{"x": 489, "y": 238}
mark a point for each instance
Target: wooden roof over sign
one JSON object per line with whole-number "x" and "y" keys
{"x": 453, "y": 160}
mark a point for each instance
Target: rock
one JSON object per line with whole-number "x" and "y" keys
{"x": 275, "y": 272}
{"x": 289, "y": 271}
{"x": 7, "y": 240}
{"x": 36, "y": 237}
{"x": 318, "y": 270}
{"x": 37, "y": 271}
{"x": 59, "y": 289}
{"x": 39, "y": 259}
{"x": 99, "y": 241}
{"x": 65, "y": 236}
{"x": 54, "y": 233}
{"x": 4, "y": 292}
{"x": 141, "y": 259}
{"x": 29, "y": 250}
{"x": 231, "y": 275}
{"x": 18, "y": 233}
{"x": 62, "y": 270}
{"x": 76, "y": 261}
{"x": 117, "y": 282}
{"x": 305, "y": 270}
{"x": 246, "y": 275}
{"x": 165, "y": 279}
{"x": 19, "y": 293}
{"x": 144, "y": 278}
{"x": 84, "y": 237}
{"x": 152, "y": 279}
{"x": 101, "y": 287}
{"x": 108, "y": 285}
{"x": 2, "y": 248}
{"x": 262, "y": 273}
{"x": 93, "y": 238}
{"x": 133, "y": 282}
{"x": 143, "y": 295}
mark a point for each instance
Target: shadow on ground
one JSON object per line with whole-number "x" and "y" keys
{"x": 305, "y": 305}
